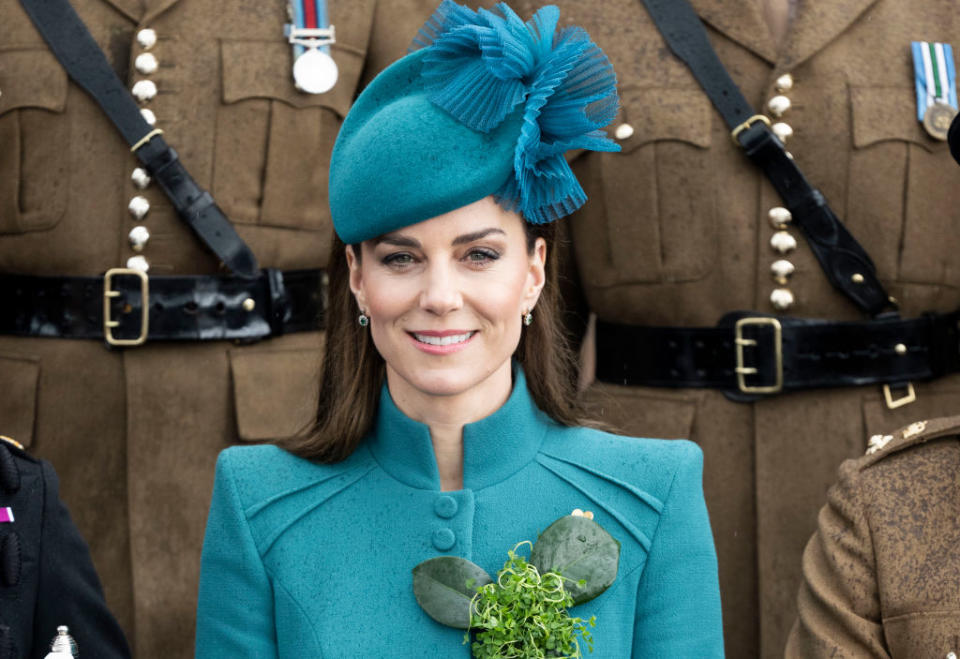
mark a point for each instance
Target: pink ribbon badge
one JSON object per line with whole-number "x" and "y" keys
{"x": 6, "y": 514}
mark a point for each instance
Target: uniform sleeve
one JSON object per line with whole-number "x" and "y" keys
{"x": 69, "y": 591}
{"x": 678, "y": 599}
{"x": 838, "y": 604}
{"x": 235, "y": 613}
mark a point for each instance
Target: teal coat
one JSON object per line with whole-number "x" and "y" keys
{"x": 313, "y": 560}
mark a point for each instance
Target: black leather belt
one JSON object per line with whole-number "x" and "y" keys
{"x": 750, "y": 355}
{"x": 126, "y": 307}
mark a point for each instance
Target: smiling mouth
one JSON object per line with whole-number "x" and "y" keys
{"x": 449, "y": 340}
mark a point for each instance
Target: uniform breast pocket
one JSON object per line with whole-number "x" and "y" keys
{"x": 34, "y": 141}
{"x": 658, "y": 191}
{"x": 923, "y": 634}
{"x": 903, "y": 200}
{"x": 273, "y": 142}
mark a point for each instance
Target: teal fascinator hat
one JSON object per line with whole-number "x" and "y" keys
{"x": 485, "y": 104}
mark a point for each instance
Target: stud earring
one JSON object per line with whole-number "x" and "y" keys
{"x": 528, "y": 318}
{"x": 363, "y": 319}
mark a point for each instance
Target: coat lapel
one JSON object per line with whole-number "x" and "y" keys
{"x": 741, "y": 21}
{"x": 132, "y": 9}
{"x": 816, "y": 25}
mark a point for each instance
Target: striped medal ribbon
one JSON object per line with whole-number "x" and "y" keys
{"x": 936, "y": 83}
{"x": 314, "y": 71}
{"x": 6, "y": 514}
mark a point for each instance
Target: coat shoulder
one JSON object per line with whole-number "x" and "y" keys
{"x": 651, "y": 464}
{"x": 263, "y": 472}
{"x": 912, "y": 436}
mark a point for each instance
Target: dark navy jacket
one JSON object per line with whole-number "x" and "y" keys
{"x": 46, "y": 575}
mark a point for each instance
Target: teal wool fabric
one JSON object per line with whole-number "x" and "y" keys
{"x": 399, "y": 159}
{"x": 309, "y": 560}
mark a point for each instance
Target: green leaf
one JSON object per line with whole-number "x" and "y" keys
{"x": 441, "y": 588}
{"x": 581, "y": 551}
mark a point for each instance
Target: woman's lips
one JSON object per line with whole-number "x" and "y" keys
{"x": 442, "y": 342}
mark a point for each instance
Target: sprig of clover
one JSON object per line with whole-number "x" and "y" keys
{"x": 524, "y": 613}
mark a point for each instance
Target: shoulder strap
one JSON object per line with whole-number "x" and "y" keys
{"x": 86, "y": 64}
{"x": 839, "y": 253}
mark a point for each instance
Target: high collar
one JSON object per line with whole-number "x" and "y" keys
{"x": 494, "y": 447}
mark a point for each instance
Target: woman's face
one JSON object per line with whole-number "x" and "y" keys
{"x": 446, "y": 296}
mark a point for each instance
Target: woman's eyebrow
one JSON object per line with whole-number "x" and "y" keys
{"x": 396, "y": 240}
{"x": 476, "y": 235}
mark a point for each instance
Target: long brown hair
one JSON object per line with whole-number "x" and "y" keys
{"x": 352, "y": 370}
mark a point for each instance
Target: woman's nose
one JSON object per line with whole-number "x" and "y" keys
{"x": 440, "y": 294}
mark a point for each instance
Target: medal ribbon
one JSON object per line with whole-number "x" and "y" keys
{"x": 6, "y": 515}
{"x": 934, "y": 73}
{"x": 309, "y": 14}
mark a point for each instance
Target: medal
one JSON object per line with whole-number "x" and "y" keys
{"x": 936, "y": 85}
{"x": 314, "y": 70}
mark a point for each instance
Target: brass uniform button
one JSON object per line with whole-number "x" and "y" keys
{"x": 138, "y": 263}
{"x": 138, "y": 207}
{"x": 782, "y": 242}
{"x": 623, "y": 131}
{"x": 784, "y": 83}
{"x": 144, "y": 90}
{"x": 778, "y": 105}
{"x": 147, "y": 38}
{"x": 781, "y": 299}
{"x": 140, "y": 178}
{"x": 779, "y": 217}
{"x": 138, "y": 236}
{"x": 146, "y": 63}
{"x": 782, "y": 130}
{"x": 148, "y": 116}
{"x": 781, "y": 271}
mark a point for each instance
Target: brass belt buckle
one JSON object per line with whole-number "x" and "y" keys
{"x": 108, "y": 293}
{"x": 743, "y": 371}
{"x": 745, "y": 125}
{"x": 906, "y": 399}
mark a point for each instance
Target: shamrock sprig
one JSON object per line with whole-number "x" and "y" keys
{"x": 524, "y": 613}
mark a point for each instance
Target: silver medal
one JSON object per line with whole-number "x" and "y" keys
{"x": 315, "y": 72}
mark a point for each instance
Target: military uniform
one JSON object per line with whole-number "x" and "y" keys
{"x": 134, "y": 433}
{"x": 881, "y": 576}
{"x": 678, "y": 233}
{"x": 46, "y": 576}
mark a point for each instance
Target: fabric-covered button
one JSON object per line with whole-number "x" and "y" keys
{"x": 445, "y": 507}
{"x": 443, "y": 539}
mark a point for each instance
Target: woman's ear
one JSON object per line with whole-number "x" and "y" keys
{"x": 356, "y": 277}
{"x": 537, "y": 275}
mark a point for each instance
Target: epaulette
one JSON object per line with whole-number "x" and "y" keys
{"x": 12, "y": 442}
{"x": 919, "y": 432}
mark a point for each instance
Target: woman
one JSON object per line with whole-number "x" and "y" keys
{"x": 446, "y": 425}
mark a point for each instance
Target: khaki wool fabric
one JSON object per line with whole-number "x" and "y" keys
{"x": 134, "y": 433}
{"x": 881, "y": 576}
{"x": 675, "y": 233}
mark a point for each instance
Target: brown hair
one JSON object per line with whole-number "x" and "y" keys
{"x": 352, "y": 370}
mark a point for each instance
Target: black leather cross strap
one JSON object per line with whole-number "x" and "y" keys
{"x": 184, "y": 308}
{"x": 86, "y": 64}
{"x": 812, "y": 353}
{"x": 838, "y": 252}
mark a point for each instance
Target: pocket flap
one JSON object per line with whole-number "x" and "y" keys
{"x": 31, "y": 78}
{"x": 275, "y": 391}
{"x": 931, "y": 633}
{"x": 18, "y": 402}
{"x": 657, "y": 114}
{"x": 264, "y": 69}
{"x": 887, "y": 113}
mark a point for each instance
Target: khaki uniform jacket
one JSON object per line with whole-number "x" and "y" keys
{"x": 676, "y": 233}
{"x": 134, "y": 433}
{"x": 881, "y": 576}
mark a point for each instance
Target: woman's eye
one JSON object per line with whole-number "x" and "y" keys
{"x": 398, "y": 259}
{"x": 482, "y": 256}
